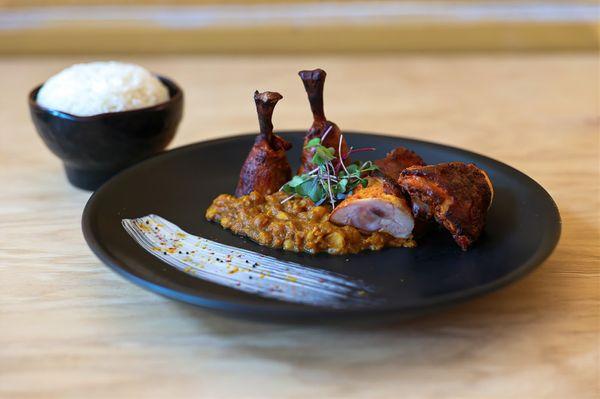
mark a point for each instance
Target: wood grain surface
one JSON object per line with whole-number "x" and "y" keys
{"x": 70, "y": 328}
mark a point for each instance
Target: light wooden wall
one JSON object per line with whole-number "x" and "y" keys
{"x": 292, "y": 26}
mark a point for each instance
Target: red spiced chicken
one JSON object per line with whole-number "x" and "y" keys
{"x": 266, "y": 168}
{"x": 455, "y": 194}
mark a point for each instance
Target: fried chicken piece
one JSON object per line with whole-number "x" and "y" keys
{"x": 455, "y": 194}
{"x": 328, "y": 131}
{"x": 378, "y": 207}
{"x": 266, "y": 168}
{"x": 396, "y": 161}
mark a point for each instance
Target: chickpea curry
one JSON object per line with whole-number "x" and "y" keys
{"x": 296, "y": 225}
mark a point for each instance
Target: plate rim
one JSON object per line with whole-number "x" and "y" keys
{"x": 281, "y": 308}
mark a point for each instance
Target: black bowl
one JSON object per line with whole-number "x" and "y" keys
{"x": 94, "y": 148}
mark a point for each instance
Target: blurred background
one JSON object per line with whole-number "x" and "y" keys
{"x": 293, "y": 26}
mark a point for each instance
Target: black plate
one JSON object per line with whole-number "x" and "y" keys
{"x": 523, "y": 227}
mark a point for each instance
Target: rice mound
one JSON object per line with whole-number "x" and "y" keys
{"x": 100, "y": 87}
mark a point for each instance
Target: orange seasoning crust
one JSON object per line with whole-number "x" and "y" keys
{"x": 296, "y": 225}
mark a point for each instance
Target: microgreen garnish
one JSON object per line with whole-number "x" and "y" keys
{"x": 331, "y": 180}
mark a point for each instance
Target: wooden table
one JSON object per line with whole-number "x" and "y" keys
{"x": 71, "y": 328}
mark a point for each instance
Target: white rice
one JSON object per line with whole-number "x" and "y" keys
{"x": 100, "y": 87}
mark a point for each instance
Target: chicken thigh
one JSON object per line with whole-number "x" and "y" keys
{"x": 396, "y": 161}
{"x": 455, "y": 194}
{"x": 378, "y": 207}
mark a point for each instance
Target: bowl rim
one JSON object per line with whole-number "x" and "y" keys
{"x": 171, "y": 86}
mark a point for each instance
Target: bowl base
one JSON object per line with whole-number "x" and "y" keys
{"x": 87, "y": 179}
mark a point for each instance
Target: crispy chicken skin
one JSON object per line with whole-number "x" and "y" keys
{"x": 314, "y": 81}
{"x": 266, "y": 168}
{"x": 396, "y": 161}
{"x": 378, "y": 207}
{"x": 455, "y": 194}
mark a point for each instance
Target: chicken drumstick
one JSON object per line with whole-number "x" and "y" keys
{"x": 327, "y": 131}
{"x": 266, "y": 168}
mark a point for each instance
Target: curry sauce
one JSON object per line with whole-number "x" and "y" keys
{"x": 295, "y": 225}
